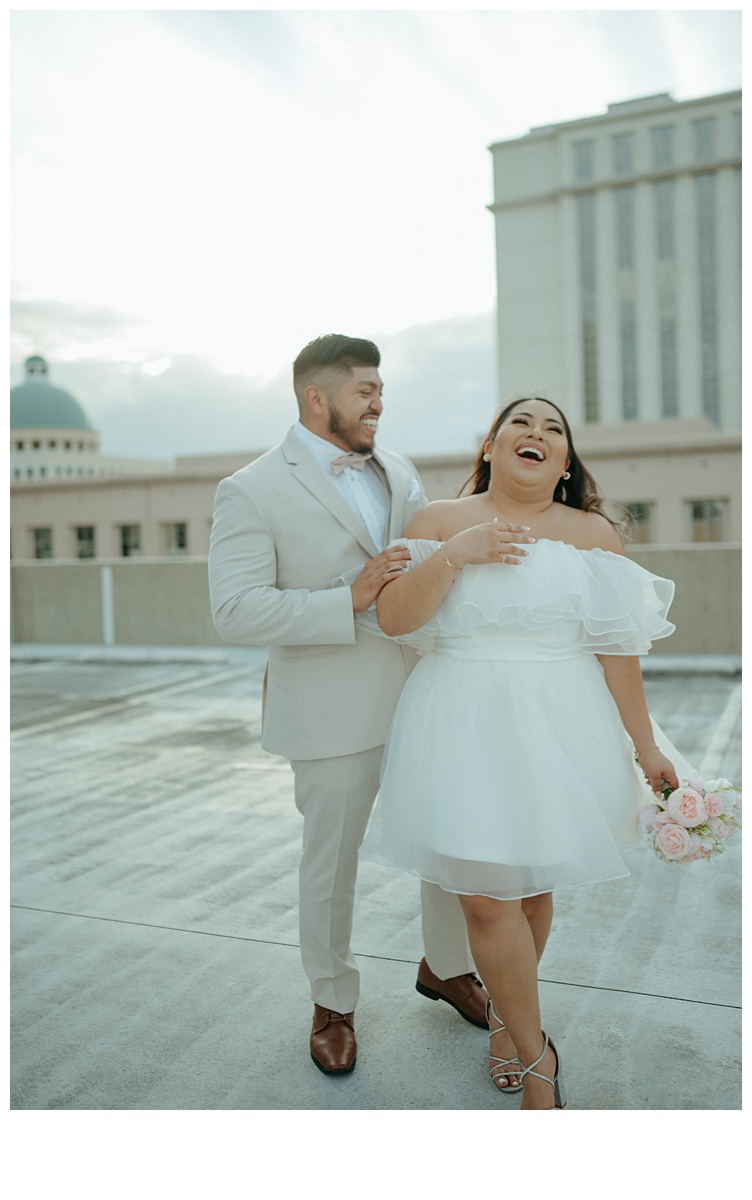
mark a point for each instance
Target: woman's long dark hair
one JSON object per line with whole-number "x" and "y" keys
{"x": 579, "y": 491}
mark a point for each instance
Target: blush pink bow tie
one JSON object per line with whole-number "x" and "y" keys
{"x": 349, "y": 460}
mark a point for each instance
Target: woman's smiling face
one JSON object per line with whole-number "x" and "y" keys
{"x": 531, "y": 444}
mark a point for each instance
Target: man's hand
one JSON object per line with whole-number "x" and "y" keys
{"x": 375, "y": 574}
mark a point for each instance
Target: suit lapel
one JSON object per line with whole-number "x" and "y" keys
{"x": 396, "y": 489}
{"x": 308, "y": 472}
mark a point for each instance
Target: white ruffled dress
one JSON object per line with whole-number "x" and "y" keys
{"x": 508, "y": 771}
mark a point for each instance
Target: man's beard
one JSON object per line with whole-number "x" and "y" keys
{"x": 350, "y": 432}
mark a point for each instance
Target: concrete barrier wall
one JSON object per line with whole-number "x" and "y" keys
{"x": 165, "y": 602}
{"x": 57, "y": 603}
{"x": 707, "y": 608}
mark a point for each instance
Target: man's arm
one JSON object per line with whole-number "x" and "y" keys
{"x": 247, "y": 606}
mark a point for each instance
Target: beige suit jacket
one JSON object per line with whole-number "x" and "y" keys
{"x": 282, "y": 533}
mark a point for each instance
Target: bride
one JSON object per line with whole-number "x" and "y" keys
{"x": 510, "y": 769}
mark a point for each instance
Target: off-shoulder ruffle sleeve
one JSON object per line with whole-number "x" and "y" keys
{"x": 603, "y": 602}
{"x": 591, "y": 599}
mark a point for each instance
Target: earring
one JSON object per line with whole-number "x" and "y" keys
{"x": 566, "y": 475}
{"x": 486, "y": 457}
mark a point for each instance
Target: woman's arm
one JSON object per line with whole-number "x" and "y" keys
{"x": 407, "y": 602}
{"x": 624, "y": 680}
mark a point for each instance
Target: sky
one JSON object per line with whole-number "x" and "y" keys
{"x": 197, "y": 193}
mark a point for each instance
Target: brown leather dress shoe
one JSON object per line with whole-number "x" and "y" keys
{"x": 466, "y": 993}
{"x": 333, "y": 1045}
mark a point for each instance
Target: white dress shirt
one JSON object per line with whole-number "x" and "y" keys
{"x": 365, "y": 491}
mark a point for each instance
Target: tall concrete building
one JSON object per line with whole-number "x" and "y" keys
{"x": 618, "y": 242}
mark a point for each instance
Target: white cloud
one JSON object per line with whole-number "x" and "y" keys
{"x": 241, "y": 181}
{"x": 439, "y": 394}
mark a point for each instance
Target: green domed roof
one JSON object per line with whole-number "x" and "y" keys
{"x": 36, "y": 404}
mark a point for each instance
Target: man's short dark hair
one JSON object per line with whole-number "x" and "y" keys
{"x": 332, "y": 354}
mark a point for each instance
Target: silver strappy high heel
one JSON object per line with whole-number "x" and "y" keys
{"x": 503, "y": 1065}
{"x": 560, "y": 1099}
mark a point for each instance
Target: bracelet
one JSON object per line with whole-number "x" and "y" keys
{"x": 446, "y": 560}
{"x": 653, "y": 747}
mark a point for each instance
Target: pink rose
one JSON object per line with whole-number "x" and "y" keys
{"x": 647, "y": 814}
{"x": 713, "y": 804}
{"x": 662, "y": 819}
{"x": 703, "y": 844}
{"x": 674, "y": 842}
{"x": 687, "y": 807}
{"x": 697, "y": 784}
{"x": 727, "y": 829}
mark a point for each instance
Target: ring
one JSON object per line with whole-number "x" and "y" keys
{"x": 504, "y": 558}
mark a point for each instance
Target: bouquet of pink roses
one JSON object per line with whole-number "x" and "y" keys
{"x": 693, "y": 822}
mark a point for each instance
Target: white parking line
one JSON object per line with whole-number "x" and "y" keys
{"x": 117, "y": 705}
{"x": 722, "y": 735}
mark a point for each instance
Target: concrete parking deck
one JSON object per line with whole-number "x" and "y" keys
{"x": 154, "y": 925}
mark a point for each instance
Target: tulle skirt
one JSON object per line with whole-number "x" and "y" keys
{"x": 507, "y": 778}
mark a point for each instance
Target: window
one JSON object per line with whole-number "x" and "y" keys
{"x": 708, "y": 520}
{"x": 583, "y": 159}
{"x": 85, "y": 542}
{"x": 669, "y": 371}
{"x": 35, "y": 445}
{"x": 639, "y": 514}
{"x": 624, "y": 197}
{"x": 706, "y": 235}
{"x": 19, "y": 445}
{"x": 623, "y": 153}
{"x": 624, "y": 226}
{"x": 704, "y": 132}
{"x": 663, "y": 145}
{"x": 628, "y": 339}
{"x": 176, "y": 538}
{"x": 663, "y": 191}
{"x": 130, "y": 541}
{"x": 42, "y": 543}
{"x": 588, "y": 307}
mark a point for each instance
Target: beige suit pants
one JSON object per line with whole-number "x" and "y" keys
{"x": 335, "y": 797}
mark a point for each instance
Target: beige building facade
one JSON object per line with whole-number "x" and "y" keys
{"x": 618, "y": 247}
{"x": 619, "y": 290}
{"x": 681, "y": 480}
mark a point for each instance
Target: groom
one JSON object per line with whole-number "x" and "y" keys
{"x": 322, "y": 503}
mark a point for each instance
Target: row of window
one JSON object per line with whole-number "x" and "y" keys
{"x": 662, "y": 147}
{"x": 707, "y": 520}
{"x": 174, "y": 539}
{"x": 664, "y": 208}
{"x": 52, "y": 445}
{"x": 57, "y": 472}
{"x": 707, "y": 524}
